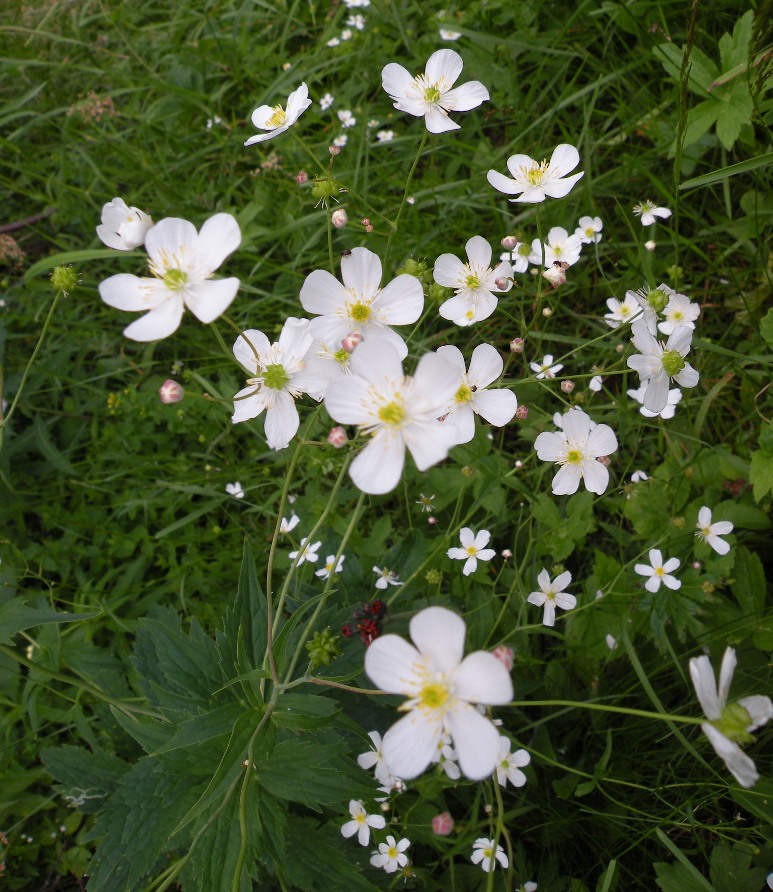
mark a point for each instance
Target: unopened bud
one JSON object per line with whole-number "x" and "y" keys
{"x": 337, "y": 437}
{"x": 501, "y": 282}
{"x": 650, "y": 246}
{"x": 504, "y": 654}
{"x": 301, "y": 177}
{"x": 696, "y": 565}
{"x": 171, "y": 392}
{"x": 521, "y": 412}
{"x": 518, "y": 463}
{"x": 487, "y": 808}
{"x": 516, "y": 345}
{"x": 509, "y": 242}
{"x": 620, "y": 348}
{"x": 351, "y": 341}
{"x": 334, "y": 150}
{"x": 604, "y": 460}
{"x": 567, "y": 386}
{"x": 442, "y": 824}
{"x": 547, "y": 312}
{"x": 339, "y": 218}
{"x": 432, "y": 520}
{"x": 367, "y": 224}
{"x": 506, "y": 554}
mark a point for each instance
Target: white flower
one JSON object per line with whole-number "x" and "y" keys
{"x": 330, "y": 568}
{"x": 638, "y": 476}
{"x": 386, "y": 577}
{"x": 658, "y": 364}
{"x": 518, "y": 257}
{"x": 589, "y": 230}
{"x": 611, "y": 642}
{"x": 346, "y": 34}
{"x": 560, "y": 247}
{"x": 398, "y": 412}
{"x": 648, "y": 211}
{"x": 356, "y": 21}
{"x": 445, "y": 756}
{"x": 474, "y": 282}
{"x": 431, "y": 94}
{"x": 354, "y": 4}
{"x": 576, "y": 449}
{"x": 375, "y": 759}
{"x": 275, "y": 119}
{"x": 306, "y": 552}
{"x": 287, "y": 525}
{"x": 710, "y": 532}
{"x": 360, "y": 304}
{"x": 483, "y": 853}
{"x": 473, "y": 549}
{"x": 729, "y": 725}
{"x": 510, "y": 764}
{"x": 123, "y": 228}
{"x": 182, "y": 262}
{"x": 326, "y": 101}
{"x": 334, "y": 41}
{"x": 361, "y": 822}
{"x": 497, "y": 406}
{"x": 619, "y": 313}
{"x": 550, "y": 595}
{"x": 674, "y": 397}
{"x": 390, "y": 854}
{"x": 442, "y": 688}
{"x": 235, "y": 490}
{"x": 346, "y": 118}
{"x": 533, "y": 181}
{"x": 595, "y": 383}
{"x": 445, "y": 34}
{"x": 679, "y": 311}
{"x": 658, "y": 572}
{"x": 278, "y": 376}
{"x": 340, "y": 141}
{"x": 385, "y": 135}
{"x": 546, "y": 369}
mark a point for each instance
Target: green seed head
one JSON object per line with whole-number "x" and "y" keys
{"x": 276, "y": 377}
{"x": 657, "y": 299}
{"x": 673, "y": 362}
{"x": 64, "y": 279}
{"x": 733, "y": 723}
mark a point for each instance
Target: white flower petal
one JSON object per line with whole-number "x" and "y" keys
{"x": 401, "y": 301}
{"x": 465, "y": 97}
{"x": 211, "y": 298}
{"x": 410, "y": 744}
{"x": 444, "y": 64}
{"x": 323, "y": 294}
{"x": 158, "y": 323}
{"x": 378, "y": 468}
{"x": 481, "y": 678}
{"x": 394, "y": 665}
{"x": 740, "y": 765}
{"x": 219, "y": 236}
{"x": 361, "y": 272}
{"x": 476, "y": 741}
{"x": 439, "y": 634}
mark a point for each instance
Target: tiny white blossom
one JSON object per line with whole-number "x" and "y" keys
{"x": 390, "y": 854}
{"x": 648, "y": 211}
{"x": 595, "y": 383}
{"x": 589, "y": 230}
{"x": 445, "y": 34}
{"x": 330, "y": 567}
{"x": 550, "y": 595}
{"x": 287, "y": 525}
{"x": 275, "y": 119}
{"x": 546, "y": 368}
{"x": 386, "y": 577}
{"x": 560, "y": 247}
{"x": 710, "y": 532}
{"x": 385, "y": 135}
{"x": 326, "y": 101}
{"x": 473, "y": 549}
{"x": 346, "y": 34}
{"x": 638, "y": 476}
{"x": 361, "y": 822}
{"x": 611, "y": 642}
{"x": 334, "y": 41}
{"x": 340, "y": 141}
{"x": 518, "y": 257}
{"x": 510, "y": 764}
{"x": 306, "y": 552}
{"x": 346, "y": 118}
{"x": 533, "y": 181}
{"x": 446, "y": 757}
{"x": 484, "y": 853}
{"x": 235, "y": 490}
{"x": 620, "y": 313}
{"x": 374, "y": 759}
{"x": 679, "y": 311}
{"x": 659, "y": 572}
{"x": 356, "y": 21}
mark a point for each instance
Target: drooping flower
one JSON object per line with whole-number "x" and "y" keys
{"x": 275, "y": 119}
{"x": 390, "y": 854}
{"x": 278, "y": 376}
{"x": 576, "y": 448}
{"x": 361, "y": 822}
{"x": 658, "y": 364}
{"x": 510, "y": 764}
{"x": 430, "y": 94}
{"x": 658, "y": 571}
{"x": 474, "y": 282}
{"x": 729, "y": 725}
{"x": 331, "y": 568}
{"x": 589, "y": 230}
{"x": 484, "y": 853}
{"x": 360, "y": 304}
{"x": 550, "y": 595}
{"x": 306, "y": 552}
{"x": 710, "y": 532}
{"x": 560, "y": 247}
{"x": 398, "y": 412}
{"x": 182, "y": 262}
{"x": 235, "y": 490}
{"x": 620, "y": 313}
{"x": 533, "y": 181}
{"x": 648, "y": 211}
{"x": 473, "y": 549}
{"x": 546, "y": 369}
{"x": 667, "y": 412}
{"x": 123, "y": 228}
{"x": 441, "y": 688}
{"x": 472, "y": 398}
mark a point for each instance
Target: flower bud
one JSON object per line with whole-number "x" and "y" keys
{"x": 696, "y": 565}
{"x": 337, "y": 437}
{"x": 171, "y": 392}
{"x": 301, "y": 177}
{"x": 367, "y": 224}
{"x": 442, "y": 824}
{"x": 604, "y": 460}
{"x": 501, "y": 282}
{"x": 506, "y": 554}
{"x": 518, "y": 464}
{"x": 650, "y": 246}
{"x": 504, "y": 654}
{"x": 432, "y": 520}
{"x": 516, "y": 345}
{"x": 567, "y": 386}
{"x": 547, "y": 312}
{"x": 509, "y": 242}
{"x": 351, "y": 341}
{"x": 339, "y": 218}
{"x": 334, "y": 150}
{"x": 521, "y": 412}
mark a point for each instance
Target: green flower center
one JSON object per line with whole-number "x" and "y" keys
{"x": 472, "y": 282}
{"x": 574, "y": 457}
{"x": 733, "y": 723}
{"x": 392, "y": 413}
{"x": 463, "y": 395}
{"x": 657, "y": 299}
{"x": 341, "y": 356}
{"x": 278, "y": 118}
{"x": 673, "y": 362}
{"x": 175, "y": 279}
{"x": 536, "y": 173}
{"x": 276, "y": 377}
{"x": 360, "y": 312}
{"x": 432, "y": 94}
{"x": 524, "y": 250}
{"x": 433, "y": 696}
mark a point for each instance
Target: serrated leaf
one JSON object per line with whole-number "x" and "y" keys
{"x": 304, "y": 711}
{"x": 677, "y": 878}
{"x": 735, "y": 112}
{"x": 749, "y": 584}
{"x": 84, "y": 779}
{"x": 216, "y": 723}
{"x": 149, "y": 733}
{"x": 734, "y": 49}
{"x": 761, "y": 474}
{"x": 703, "y": 72}
{"x": 731, "y": 871}
{"x": 16, "y": 616}
{"x": 700, "y": 118}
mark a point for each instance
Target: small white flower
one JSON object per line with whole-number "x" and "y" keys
{"x": 430, "y": 94}
{"x": 638, "y": 476}
{"x": 589, "y": 230}
{"x": 340, "y": 141}
{"x": 331, "y": 568}
{"x": 445, "y": 756}
{"x": 334, "y": 41}
{"x": 385, "y": 135}
{"x": 276, "y": 120}
{"x": 346, "y": 34}
{"x": 657, "y": 363}
{"x": 611, "y": 642}
{"x": 374, "y": 759}
{"x": 306, "y": 552}
{"x": 546, "y": 369}
{"x": 648, "y": 211}
{"x": 710, "y": 532}
{"x": 484, "y": 853}
{"x": 346, "y": 118}
{"x": 667, "y": 412}
{"x": 386, "y": 577}
{"x": 356, "y": 21}
{"x": 658, "y": 572}
{"x": 729, "y": 725}
{"x": 532, "y": 181}
{"x": 390, "y": 854}
{"x": 595, "y": 383}
{"x": 287, "y": 525}
{"x": 620, "y": 313}
{"x": 474, "y": 282}
{"x": 425, "y": 502}
{"x": 473, "y": 549}
{"x": 550, "y": 595}
{"x": 326, "y": 101}
{"x": 361, "y": 822}
{"x": 213, "y": 122}
{"x": 123, "y": 228}
{"x": 445, "y": 34}
{"x": 560, "y": 247}
{"x": 679, "y": 311}
{"x": 235, "y": 490}
{"x": 510, "y": 764}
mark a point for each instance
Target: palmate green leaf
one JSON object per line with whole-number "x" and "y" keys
{"x": 700, "y": 119}
{"x": 703, "y": 72}
{"x": 678, "y": 878}
{"x": 761, "y": 473}
{"x": 736, "y": 110}
{"x": 16, "y": 616}
{"x": 734, "y": 49}
{"x": 84, "y": 778}
{"x": 749, "y": 584}
{"x": 731, "y": 871}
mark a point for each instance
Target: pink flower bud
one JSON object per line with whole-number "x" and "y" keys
{"x": 339, "y": 218}
{"x": 547, "y": 312}
{"x": 334, "y": 150}
{"x": 367, "y": 224}
{"x": 442, "y": 824}
{"x": 337, "y": 437}
{"x": 507, "y": 554}
{"x": 171, "y": 392}
{"x": 509, "y": 242}
{"x": 518, "y": 465}
{"x": 521, "y": 412}
{"x": 696, "y": 565}
{"x": 501, "y": 283}
{"x": 516, "y": 345}
{"x": 351, "y": 341}
{"x": 504, "y": 655}
{"x": 604, "y": 460}
{"x": 567, "y": 386}
{"x": 301, "y": 177}
{"x": 432, "y": 520}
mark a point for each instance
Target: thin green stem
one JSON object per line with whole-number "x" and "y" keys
{"x": 600, "y": 707}
{"x": 405, "y": 196}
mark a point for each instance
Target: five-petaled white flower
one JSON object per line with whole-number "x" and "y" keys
{"x": 360, "y": 304}
{"x": 484, "y": 853}
{"x": 510, "y": 764}
{"x": 710, "y": 532}
{"x": 386, "y": 577}
{"x": 658, "y": 572}
{"x": 235, "y": 490}
{"x": 729, "y": 725}
{"x": 123, "y": 228}
{"x": 182, "y": 262}
{"x": 679, "y": 311}
{"x": 589, "y": 230}
{"x": 576, "y": 448}
{"x": 648, "y": 211}
{"x": 441, "y": 688}
{"x": 474, "y": 282}
{"x": 473, "y": 549}
{"x": 330, "y": 568}
{"x": 390, "y": 854}
{"x": 398, "y": 412}
{"x": 326, "y": 101}
{"x": 657, "y": 364}
{"x": 533, "y": 181}
{"x": 560, "y": 247}
{"x": 546, "y": 369}
{"x": 431, "y": 94}
{"x": 361, "y": 822}
{"x": 471, "y": 397}
{"x": 275, "y": 119}
{"x": 622, "y": 312}
{"x": 550, "y": 595}
{"x": 306, "y": 552}
{"x": 278, "y": 376}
